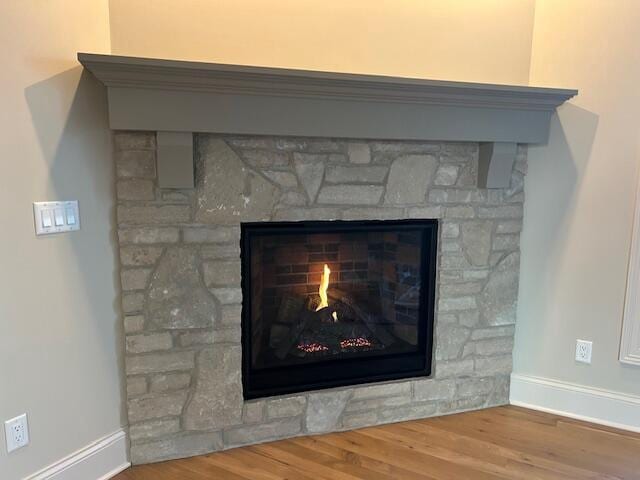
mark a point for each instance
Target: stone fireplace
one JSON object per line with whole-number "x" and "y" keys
{"x": 182, "y": 295}
{"x": 342, "y": 252}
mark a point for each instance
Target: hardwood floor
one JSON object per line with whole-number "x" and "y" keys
{"x": 498, "y": 443}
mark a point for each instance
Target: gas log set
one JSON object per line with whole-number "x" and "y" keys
{"x": 330, "y": 323}
{"x": 331, "y": 303}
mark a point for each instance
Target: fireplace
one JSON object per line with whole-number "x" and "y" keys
{"x": 336, "y": 303}
{"x": 211, "y": 317}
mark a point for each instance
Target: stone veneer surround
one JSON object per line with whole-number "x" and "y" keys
{"x": 180, "y": 275}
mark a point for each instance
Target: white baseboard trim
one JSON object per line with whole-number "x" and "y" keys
{"x": 100, "y": 460}
{"x": 605, "y": 407}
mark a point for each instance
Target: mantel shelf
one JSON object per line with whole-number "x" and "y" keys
{"x": 180, "y": 96}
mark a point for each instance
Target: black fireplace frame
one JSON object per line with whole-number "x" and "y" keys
{"x": 265, "y": 382}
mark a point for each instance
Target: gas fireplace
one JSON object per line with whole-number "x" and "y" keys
{"x": 336, "y": 303}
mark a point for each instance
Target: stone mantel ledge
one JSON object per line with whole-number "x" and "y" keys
{"x": 179, "y": 96}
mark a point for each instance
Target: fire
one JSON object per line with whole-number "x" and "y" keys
{"x": 324, "y": 285}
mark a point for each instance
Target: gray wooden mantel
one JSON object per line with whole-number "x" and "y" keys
{"x": 178, "y": 96}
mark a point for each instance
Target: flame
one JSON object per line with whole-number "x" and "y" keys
{"x": 324, "y": 285}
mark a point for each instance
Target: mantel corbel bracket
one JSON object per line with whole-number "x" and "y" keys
{"x": 495, "y": 164}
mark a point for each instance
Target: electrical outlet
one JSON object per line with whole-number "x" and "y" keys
{"x": 17, "y": 432}
{"x": 583, "y": 351}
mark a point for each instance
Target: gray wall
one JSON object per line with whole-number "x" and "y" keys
{"x": 59, "y": 340}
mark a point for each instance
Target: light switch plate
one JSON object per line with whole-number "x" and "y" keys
{"x": 56, "y": 217}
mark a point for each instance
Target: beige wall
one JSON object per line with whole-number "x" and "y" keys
{"x": 473, "y": 40}
{"x": 580, "y": 194}
{"x": 58, "y": 336}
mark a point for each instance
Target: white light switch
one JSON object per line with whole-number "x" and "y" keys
{"x": 71, "y": 216}
{"x": 56, "y": 217}
{"x": 46, "y": 218}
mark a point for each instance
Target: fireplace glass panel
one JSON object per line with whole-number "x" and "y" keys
{"x": 331, "y": 292}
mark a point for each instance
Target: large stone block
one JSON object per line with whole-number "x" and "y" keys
{"x": 430, "y": 390}
{"x": 359, "y": 419}
{"x": 498, "y": 300}
{"x": 504, "y": 211}
{"x": 148, "y": 342}
{"x": 345, "y": 174}
{"x": 134, "y": 255}
{"x": 282, "y": 178}
{"x": 136, "y": 386}
{"x": 456, "y": 303}
{"x": 178, "y": 446}
{"x": 176, "y": 297}
{"x": 372, "y": 213}
{"x": 227, "y": 295}
{"x": 449, "y": 341}
{"x": 132, "y": 302}
{"x": 447, "y": 175}
{"x": 232, "y": 250}
{"x": 425, "y": 212}
{"x": 472, "y": 387}
{"x": 146, "y": 235}
{"x": 500, "y": 365}
{"x": 217, "y": 400}
{"x": 377, "y": 403}
{"x": 298, "y": 214}
{"x": 136, "y": 163}
{"x": 166, "y": 382}
{"x": 359, "y": 152}
{"x": 408, "y": 412}
{"x": 135, "y": 189}
{"x": 382, "y": 390}
{"x": 457, "y": 195}
{"x": 286, "y": 407}
{"x": 231, "y": 315}
{"x": 476, "y": 241}
{"x": 324, "y": 410}
{"x": 134, "y": 278}
{"x": 154, "y": 429}
{"x": 221, "y": 273}
{"x": 493, "y": 346}
{"x": 350, "y": 194}
{"x": 228, "y": 192}
{"x": 156, "y": 406}
{"x": 133, "y": 323}
{"x": 211, "y": 234}
{"x": 272, "y": 430}
{"x": 455, "y": 368}
{"x": 159, "y": 362}
{"x": 253, "y": 412}
{"x": 197, "y": 337}
{"x": 409, "y": 179}
{"x": 310, "y": 170}
{"x": 403, "y": 147}
{"x": 124, "y": 140}
{"x": 153, "y": 214}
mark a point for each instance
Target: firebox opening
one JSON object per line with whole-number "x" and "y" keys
{"x": 336, "y": 303}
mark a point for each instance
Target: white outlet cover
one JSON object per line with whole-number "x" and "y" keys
{"x": 583, "y": 351}
{"x": 16, "y": 432}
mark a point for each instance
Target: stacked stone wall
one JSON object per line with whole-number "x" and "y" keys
{"x": 181, "y": 295}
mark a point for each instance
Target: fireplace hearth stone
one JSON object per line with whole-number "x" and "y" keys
{"x": 184, "y": 393}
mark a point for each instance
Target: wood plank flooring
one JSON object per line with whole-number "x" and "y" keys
{"x": 497, "y": 443}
